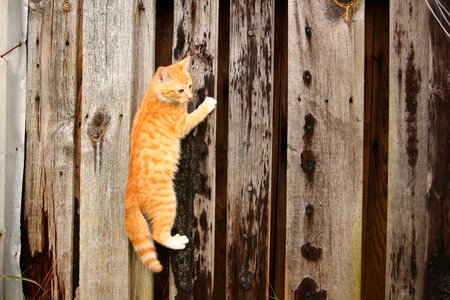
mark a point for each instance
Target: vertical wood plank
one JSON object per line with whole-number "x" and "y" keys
{"x": 438, "y": 193}
{"x": 49, "y": 170}
{"x": 3, "y": 73}
{"x": 249, "y": 149}
{"x": 408, "y": 142}
{"x": 141, "y": 280}
{"x": 325, "y": 150}
{"x": 13, "y": 51}
{"x": 195, "y": 33}
{"x": 376, "y": 126}
{"x": 105, "y": 130}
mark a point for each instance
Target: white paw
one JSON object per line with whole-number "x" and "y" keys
{"x": 210, "y": 103}
{"x": 177, "y": 242}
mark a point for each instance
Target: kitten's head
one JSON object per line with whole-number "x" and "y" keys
{"x": 174, "y": 83}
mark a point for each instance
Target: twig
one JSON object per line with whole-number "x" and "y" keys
{"x": 20, "y": 44}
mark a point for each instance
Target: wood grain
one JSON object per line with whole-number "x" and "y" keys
{"x": 195, "y": 34}
{"x": 141, "y": 281}
{"x": 105, "y": 129}
{"x": 408, "y": 143}
{"x": 49, "y": 170}
{"x": 249, "y": 149}
{"x": 325, "y": 149}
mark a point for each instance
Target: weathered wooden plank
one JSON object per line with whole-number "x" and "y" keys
{"x": 325, "y": 149}
{"x": 49, "y": 170}
{"x": 105, "y": 129}
{"x": 249, "y": 149}
{"x": 13, "y": 21}
{"x": 408, "y": 142}
{"x": 195, "y": 32}
{"x": 3, "y": 73}
{"x": 376, "y": 127}
{"x": 437, "y": 285}
{"x": 141, "y": 281}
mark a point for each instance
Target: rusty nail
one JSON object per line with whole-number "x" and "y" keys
{"x": 244, "y": 236}
{"x": 251, "y": 33}
{"x": 246, "y": 279}
{"x": 309, "y": 210}
{"x": 66, "y": 6}
{"x": 310, "y": 165}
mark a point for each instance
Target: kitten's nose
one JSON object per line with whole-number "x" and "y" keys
{"x": 189, "y": 97}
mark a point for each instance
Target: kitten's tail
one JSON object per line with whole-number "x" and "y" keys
{"x": 141, "y": 239}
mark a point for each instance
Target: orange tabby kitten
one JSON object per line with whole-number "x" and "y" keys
{"x": 161, "y": 121}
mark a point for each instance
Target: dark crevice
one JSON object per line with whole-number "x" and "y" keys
{"x": 279, "y": 150}
{"x": 221, "y": 150}
{"x": 163, "y": 57}
{"x": 375, "y": 149}
{"x": 77, "y": 157}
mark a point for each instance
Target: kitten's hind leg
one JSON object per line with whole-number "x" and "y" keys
{"x": 162, "y": 216}
{"x": 140, "y": 237}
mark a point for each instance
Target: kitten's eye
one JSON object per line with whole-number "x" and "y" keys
{"x": 190, "y": 86}
{"x": 181, "y": 91}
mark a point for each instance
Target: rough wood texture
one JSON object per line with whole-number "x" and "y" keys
{"x": 325, "y": 146}
{"x": 49, "y": 170}
{"x": 105, "y": 130}
{"x": 437, "y": 284}
{"x": 408, "y": 142}
{"x": 141, "y": 281}
{"x": 144, "y": 60}
{"x": 249, "y": 149}
{"x": 195, "y": 32}
{"x": 376, "y": 127}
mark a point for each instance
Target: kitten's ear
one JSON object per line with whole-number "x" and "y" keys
{"x": 185, "y": 62}
{"x": 163, "y": 75}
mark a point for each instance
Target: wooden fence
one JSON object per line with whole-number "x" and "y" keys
{"x": 323, "y": 173}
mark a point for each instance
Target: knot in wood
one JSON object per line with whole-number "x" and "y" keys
{"x": 98, "y": 125}
{"x": 141, "y": 5}
{"x": 311, "y": 252}
{"x": 39, "y": 5}
{"x": 246, "y": 278}
{"x": 308, "y": 289}
{"x": 66, "y": 6}
{"x": 251, "y": 33}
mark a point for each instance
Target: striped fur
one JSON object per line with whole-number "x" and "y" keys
{"x": 160, "y": 123}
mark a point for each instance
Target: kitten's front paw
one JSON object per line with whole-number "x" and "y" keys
{"x": 210, "y": 103}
